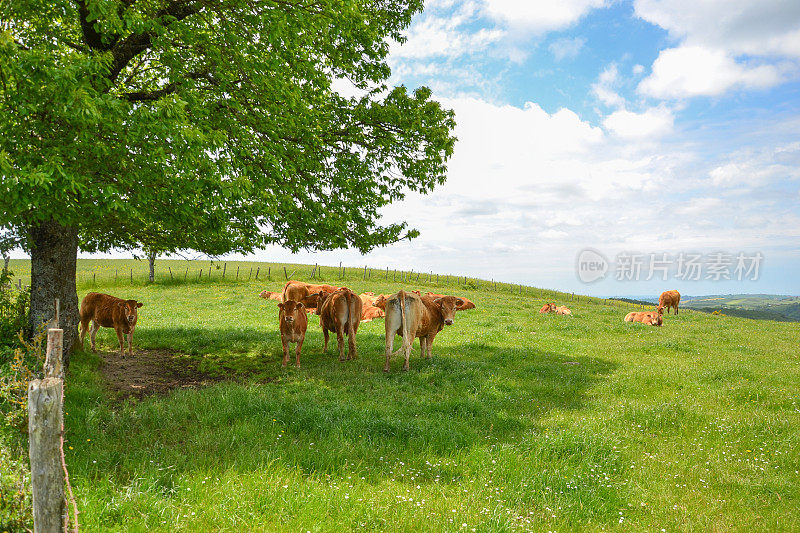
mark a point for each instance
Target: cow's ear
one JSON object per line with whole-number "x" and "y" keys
{"x": 300, "y": 305}
{"x": 121, "y": 304}
{"x": 438, "y": 301}
{"x": 459, "y": 302}
{"x": 280, "y": 305}
{"x": 139, "y": 304}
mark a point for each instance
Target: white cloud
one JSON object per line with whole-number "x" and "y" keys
{"x": 539, "y": 16}
{"x": 724, "y": 45}
{"x": 763, "y": 28}
{"x": 605, "y": 87}
{"x": 654, "y": 122}
{"x": 444, "y": 36}
{"x": 696, "y": 71}
{"x": 566, "y": 48}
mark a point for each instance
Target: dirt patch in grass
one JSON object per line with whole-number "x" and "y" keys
{"x": 151, "y": 372}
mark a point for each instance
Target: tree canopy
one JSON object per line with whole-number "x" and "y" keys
{"x": 213, "y": 120}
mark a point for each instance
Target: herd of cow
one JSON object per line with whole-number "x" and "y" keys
{"x": 407, "y": 314}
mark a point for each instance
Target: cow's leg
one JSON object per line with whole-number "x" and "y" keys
{"x": 430, "y": 344}
{"x": 285, "y": 344}
{"x": 389, "y": 346}
{"x": 95, "y": 327}
{"x": 676, "y": 309}
{"x": 325, "y": 346}
{"x": 130, "y": 340}
{"x": 423, "y": 343}
{"x": 297, "y": 352}
{"x": 121, "y": 341}
{"x": 352, "y": 349}
{"x": 340, "y": 340}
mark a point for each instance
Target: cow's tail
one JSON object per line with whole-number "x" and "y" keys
{"x": 408, "y": 339}
{"x": 351, "y": 314}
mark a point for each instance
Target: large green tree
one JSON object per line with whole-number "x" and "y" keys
{"x": 215, "y": 118}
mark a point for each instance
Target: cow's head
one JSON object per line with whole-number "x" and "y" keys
{"x": 380, "y": 302}
{"x": 130, "y": 310}
{"x": 291, "y": 309}
{"x": 657, "y": 319}
{"x": 448, "y": 306}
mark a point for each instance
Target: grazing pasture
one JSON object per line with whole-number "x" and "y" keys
{"x": 520, "y": 421}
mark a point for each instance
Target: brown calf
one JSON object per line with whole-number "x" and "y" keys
{"x": 340, "y": 312}
{"x": 669, "y": 299}
{"x": 651, "y": 318}
{"x": 548, "y": 308}
{"x": 108, "y": 311}
{"x": 270, "y": 295}
{"x": 293, "y": 323}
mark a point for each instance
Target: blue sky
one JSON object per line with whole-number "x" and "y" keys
{"x": 653, "y": 126}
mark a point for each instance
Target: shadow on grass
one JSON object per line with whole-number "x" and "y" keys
{"x": 328, "y": 415}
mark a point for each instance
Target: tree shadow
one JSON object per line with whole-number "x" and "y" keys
{"x": 329, "y": 414}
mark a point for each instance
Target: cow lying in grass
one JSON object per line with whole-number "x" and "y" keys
{"x": 340, "y": 312}
{"x": 270, "y": 295}
{"x": 107, "y": 311}
{"x": 650, "y": 318}
{"x": 368, "y": 310}
{"x": 293, "y": 322}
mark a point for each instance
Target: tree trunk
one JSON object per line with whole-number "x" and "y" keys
{"x": 151, "y": 257}
{"x": 54, "y": 254}
{"x": 6, "y": 259}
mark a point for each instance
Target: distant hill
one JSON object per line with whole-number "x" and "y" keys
{"x": 757, "y": 306}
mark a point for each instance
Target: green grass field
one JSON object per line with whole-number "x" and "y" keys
{"x": 519, "y": 422}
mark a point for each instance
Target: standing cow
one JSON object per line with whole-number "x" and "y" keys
{"x": 410, "y": 315}
{"x": 293, "y": 322}
{"x": 340, "y": 312}
{"x": 669, "y": 299}
{"x": 108, "y": 311}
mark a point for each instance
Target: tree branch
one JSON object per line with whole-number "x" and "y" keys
{"x": 125, "y": 50}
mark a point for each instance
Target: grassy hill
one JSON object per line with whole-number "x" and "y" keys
{"x": 756, "y": 306}
{"x": 519, "y": 422}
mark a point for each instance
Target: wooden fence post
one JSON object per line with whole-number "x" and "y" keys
{"x": 257, "y": 271}
{"x": 237, "y": 272}
{"x": 131, "y": 275}
{"x": 45, "y": 426}
{"x": 170, "y": 274}
{"x": 186, "y": 275}
{"x": 224, "y": 268}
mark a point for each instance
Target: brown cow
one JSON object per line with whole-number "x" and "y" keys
{"x": 669, "y": 299}
{"x": 548, "y": 308}
{"x": 650, "y": 318}
{"x": 563, "y": 310}
{"x": 270, "y": 295}
{"x": 293, "y": 323}
{"x": 411, "y": 315}
{"x": 297, "y": 290}
{"x": 108, "y": 311}
{"x": 340, "y": 312}
{"x": 370, "y": 313}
